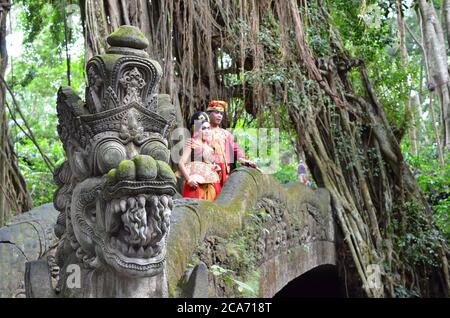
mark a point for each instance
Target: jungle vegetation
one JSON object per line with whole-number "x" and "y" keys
{"x": 359, "y": 90}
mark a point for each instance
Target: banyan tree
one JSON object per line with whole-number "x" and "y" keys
{"x": 283, "y": 64}
{"x": 257, "y": 54}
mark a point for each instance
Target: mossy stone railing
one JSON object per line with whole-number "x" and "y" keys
{"x": 192, "y": 220}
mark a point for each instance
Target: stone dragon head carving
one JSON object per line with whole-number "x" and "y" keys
{"x": 116, "y": 186}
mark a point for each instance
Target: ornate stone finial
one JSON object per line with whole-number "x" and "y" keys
{"x": 127, "y": 39}
{"x": 116, "y": 187}
{"x": 128, "y": 36}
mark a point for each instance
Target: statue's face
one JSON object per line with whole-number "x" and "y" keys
{"x": 117, "y": 184}
{"x": 127, "y": 201}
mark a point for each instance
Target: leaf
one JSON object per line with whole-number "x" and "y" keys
{"x": 216, "y": 270}
{"x": 244, "y": 287}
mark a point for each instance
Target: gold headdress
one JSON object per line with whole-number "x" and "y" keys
{"x": 217, "y": 105}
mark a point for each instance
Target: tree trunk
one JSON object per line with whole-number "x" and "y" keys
{"x": 434, "y": 44}
{"x": 14, "y": 196}
{"x": 365, "y": 214}
{"x": 401, "y": 32}
{"x": 178, "y": 41}
{"x": 446, "y": 18}
{"x": 413, "y": 107}
{"x": 431, "y": 82}
{"x": 4, "y": 9}
{"x": 409, "y": 105}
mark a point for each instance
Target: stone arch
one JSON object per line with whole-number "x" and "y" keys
{"x": 322, "y": 281}
{"x": 279, "y": 271}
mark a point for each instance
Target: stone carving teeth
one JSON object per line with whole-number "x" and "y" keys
{"x": 148, "y": 252}
{"x": 123, "y": 247}
{"x": 123, "y": 205}
{"x": 140, "y": 252}
{"x": 154, "y": 201}
{"x": 131, "y": 202}
{"x": 166, "y": 214}
{"x": 141, "y": 199}
{"x": 109, "y": 220}
{"x": 141, "y": 222}
{"x": 144, "y": 220}
{"x": 164, "y": 200}
{"x": 131, "y": 251}
{"x": 116, "y": 206}
{"x": 170, "y": 203}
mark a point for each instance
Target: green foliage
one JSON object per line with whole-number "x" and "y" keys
{"x": 402, "y": 292}
{"x": 35, "y": 77}
{"x": 365, "y": 27}
{"x": 419, "y": 244}
{"x": 278, "y": 81}
{"x": 246, "y": 290}
{"x": 317, "y": 31}
{"x": 234, "y": 264}
{"x": 38, "y": 13}
{"x": 286, "y": 174}
{"x": 368, "y": 31}
{"x": 39, "y": 179}
{"x": 274, "y": 156}
{"x": 434, "y": 181}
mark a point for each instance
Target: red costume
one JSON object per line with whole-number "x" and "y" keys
{"x": 200, "y": 171}
{"x": 225, "y": 148}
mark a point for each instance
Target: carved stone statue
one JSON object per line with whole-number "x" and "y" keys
{"x": 116, "y": 186}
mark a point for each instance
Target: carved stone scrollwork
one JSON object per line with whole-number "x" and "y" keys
{"x": 274, "y": 235}
{"x": 132, "y": 82}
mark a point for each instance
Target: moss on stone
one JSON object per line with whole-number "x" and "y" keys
{"x": 165, "y": 171}
{"x": 146, "y": 167}
{"x": 235, "y": 251}
{"x": 235, "y": 219}
{"x": 111, "y": 176}
{"x": 110, "y": 59}
{"x": 128, "y": 36}
{"x": 126, "y": 170}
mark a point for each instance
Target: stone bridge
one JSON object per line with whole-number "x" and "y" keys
{"x": 256, "y": 238}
